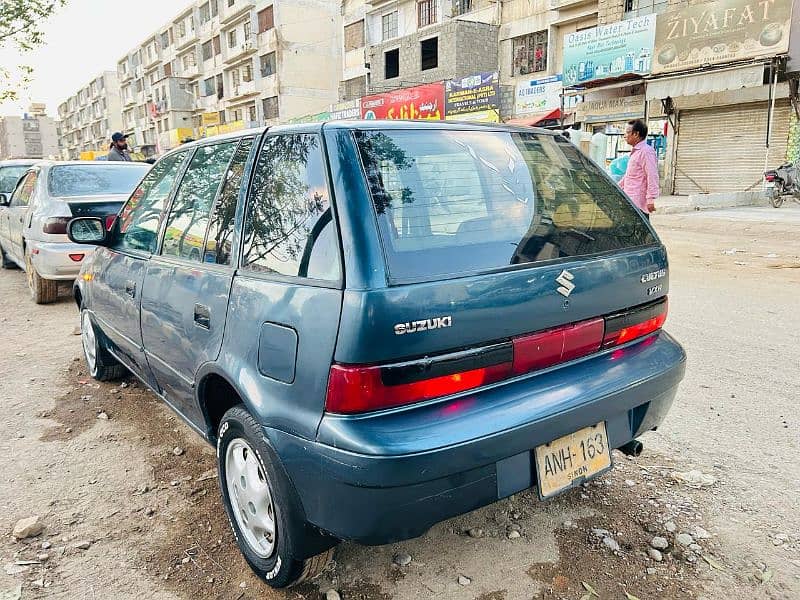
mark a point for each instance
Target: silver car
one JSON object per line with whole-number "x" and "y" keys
{"x": 11, "y": 171}
{"x": 33, "y": 220}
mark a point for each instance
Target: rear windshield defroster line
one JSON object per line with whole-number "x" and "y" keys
{"x": 456, "y": 202}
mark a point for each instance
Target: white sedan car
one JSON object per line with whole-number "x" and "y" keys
{"x": 33, "y": 220}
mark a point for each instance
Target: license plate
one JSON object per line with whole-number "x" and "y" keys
{"x": 769, "y": 184}
{"x": 572, "y": 459}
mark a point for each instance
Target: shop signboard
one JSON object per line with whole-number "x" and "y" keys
{"x": 425, "y": 102}
{"x": 346, "y": 110}
{"x": 721, "y": 32}
{"x": 610, "y": 109}
{"x": 473, "y": 98}
{"x": 609, "y": 51}
{"x": 315, "y": 118}
{"x": 538, "y": 95}
{"x": 209, "y": 119}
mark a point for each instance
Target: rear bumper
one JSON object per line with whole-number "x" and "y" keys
{"x": 52, "y": 260}
{"x": 385, "y": 478}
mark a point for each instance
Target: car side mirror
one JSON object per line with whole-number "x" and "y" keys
{"x": 87, "y": 230}
{"x": 4, "y": 200}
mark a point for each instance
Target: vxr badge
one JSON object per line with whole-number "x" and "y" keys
{"x": 566, "y": 286}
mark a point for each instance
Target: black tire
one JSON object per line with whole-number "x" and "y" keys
{"x": 776, "y": 201}
{"x": 288, "y": 562}
{"x": 101, "y": 365}
{"x": 43, "y": 291}
{"x": 7, "y": 263}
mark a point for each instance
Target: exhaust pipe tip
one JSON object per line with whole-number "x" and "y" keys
{"x": 633, "y": 448}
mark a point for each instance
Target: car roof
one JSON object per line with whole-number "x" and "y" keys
{"x": 398, "y": 124}
{"x": 19, "y": 162}
{"x": 93, "y": 163}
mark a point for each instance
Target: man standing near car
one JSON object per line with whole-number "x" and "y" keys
{"x": 119, "y": 148}
{"x": 640, "y": 181}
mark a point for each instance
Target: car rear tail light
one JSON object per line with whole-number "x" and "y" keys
{"x": 110, "y": 222}
{"x": 76, "y": 257}
{"x": 547, "y": 348}
{"x": 56, "y": 225}
{"x": 363, "y": 388}
{"x": 634, "y": 324}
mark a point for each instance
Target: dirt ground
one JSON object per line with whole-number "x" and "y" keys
{"x": 130, "y": 500}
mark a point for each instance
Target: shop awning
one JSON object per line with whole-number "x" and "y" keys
{"x": 706, "y": 83}
{"x": 534, "y": 119}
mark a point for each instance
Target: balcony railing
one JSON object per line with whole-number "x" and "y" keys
{"x": 229, "y": 13}
{"x": 190, "y": 72}
{"x": 240, "y": 51}
{"x": 207, "y": 102}
{"x": 245, "y": 88}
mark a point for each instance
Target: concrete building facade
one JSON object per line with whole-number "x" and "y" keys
{"x": 411, "y": 42}
{"x": 31, "y": 136}
{"x": 230, "y": 64}
{"x": 87, "y": 119}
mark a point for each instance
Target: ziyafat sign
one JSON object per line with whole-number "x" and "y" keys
{"x": 721, "y": 32}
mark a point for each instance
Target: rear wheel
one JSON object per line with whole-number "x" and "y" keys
{"x": 262, "y": 507}
{"x": 43, "y": 291}
{"x": 776, "y": 200}
{"x": 102, "y": 366}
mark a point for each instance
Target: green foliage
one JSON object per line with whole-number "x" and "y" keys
{"x": 21, "y": 29}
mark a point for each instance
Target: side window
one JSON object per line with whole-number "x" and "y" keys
{"x": 288, "y": 228}
{"x": 24, "y": 192}
{"x": 142, "y": 214}
{"x": 188, "y": 219}
{"x": 220, "y": 231}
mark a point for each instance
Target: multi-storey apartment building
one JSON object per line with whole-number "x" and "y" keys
{"x": 87, "y": 119}
{"x": 31, "y": 136}
{"x": 230, "y": 64}
{"x": 423, "y": 41}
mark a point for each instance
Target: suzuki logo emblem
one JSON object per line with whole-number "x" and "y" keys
{"x": 565, "y": 280}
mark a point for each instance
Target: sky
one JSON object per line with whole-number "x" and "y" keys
{"x": 83, "y": 39}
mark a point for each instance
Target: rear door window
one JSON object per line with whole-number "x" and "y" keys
{"x": 452, "y": 202}
{"x": 185, "y": 233}
{"x": 141, "y": 216}
{"x": 24, "y": 192}
{"x": 9, "y": 176}
{"x": 288, "y": 227}
{"x": 219, "y": 241}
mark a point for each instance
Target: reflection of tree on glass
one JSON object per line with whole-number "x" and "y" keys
{"x": 220, "y": 232}
{"x": 186, "y": 225}
{"x": 380, "y": 154}
{"x": 288, "y": 198}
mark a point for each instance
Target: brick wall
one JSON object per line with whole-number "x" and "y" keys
{"x": 464, "y": 48}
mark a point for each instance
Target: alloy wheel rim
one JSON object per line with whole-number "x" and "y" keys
{"x": 250, "y": 497}
{"x": 89, "y": 341}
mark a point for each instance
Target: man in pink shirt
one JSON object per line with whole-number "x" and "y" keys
{"x": 641, "y": 177}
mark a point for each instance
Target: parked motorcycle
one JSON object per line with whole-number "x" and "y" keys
{"x": 781, "y": 182}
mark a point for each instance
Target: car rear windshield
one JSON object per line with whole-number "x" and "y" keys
{"x": 9, "y": 176}
{"x": 451, "y": 202}
{"x": 94, "y": 180}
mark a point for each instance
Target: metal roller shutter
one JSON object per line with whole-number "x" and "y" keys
{"x": 722, "y": 149}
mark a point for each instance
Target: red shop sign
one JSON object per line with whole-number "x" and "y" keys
{"x": 421, "y": 102}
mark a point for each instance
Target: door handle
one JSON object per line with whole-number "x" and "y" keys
{"x": 130, "y": 288}
{"x": 202, "y": 316}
